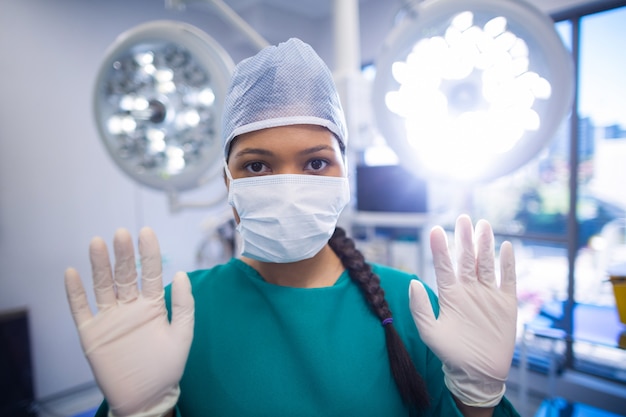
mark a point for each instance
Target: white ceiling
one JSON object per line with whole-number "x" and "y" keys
{"x": 320, "y": 8}
{"x": 311, "y": 21}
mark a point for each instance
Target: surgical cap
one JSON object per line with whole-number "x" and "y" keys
{"x": 282, "y": 85}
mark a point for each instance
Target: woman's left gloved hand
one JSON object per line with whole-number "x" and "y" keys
{"x": 474, "y": 334}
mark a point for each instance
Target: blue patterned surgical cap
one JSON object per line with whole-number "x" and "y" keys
{"x": 282, "y": 85}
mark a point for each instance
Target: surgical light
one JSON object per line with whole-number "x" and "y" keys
{"x": 471, "y": 90}
{"x": 157, "y": 104}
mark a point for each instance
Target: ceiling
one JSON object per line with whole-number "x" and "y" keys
{"x": 320, "y": 8}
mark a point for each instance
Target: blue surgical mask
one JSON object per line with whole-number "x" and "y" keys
{"x": 287, "y": 217}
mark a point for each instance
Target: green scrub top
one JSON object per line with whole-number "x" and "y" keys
{"x": 261, "y": 349}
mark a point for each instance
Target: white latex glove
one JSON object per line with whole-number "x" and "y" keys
{"x": 136, "y": 355}
{"x": 474, "y": 335}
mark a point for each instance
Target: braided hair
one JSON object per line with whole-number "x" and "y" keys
{"x": 409, "y": 382}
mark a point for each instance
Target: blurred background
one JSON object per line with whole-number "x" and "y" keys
{"x": 563, "y": 205}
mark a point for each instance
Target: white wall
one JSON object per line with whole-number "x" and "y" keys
{"x": 58, "y": 187}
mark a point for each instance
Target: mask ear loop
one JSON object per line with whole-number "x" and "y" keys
{"x": 227, "y": 171}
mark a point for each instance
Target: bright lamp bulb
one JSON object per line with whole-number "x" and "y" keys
{"x": 477, "y": 96}
{"x": 157, "y": 104}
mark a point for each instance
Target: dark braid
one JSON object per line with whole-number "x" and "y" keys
{"x": 408, "y": 380}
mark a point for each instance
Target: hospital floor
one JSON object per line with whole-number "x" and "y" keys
{"x": 532, "y": 404}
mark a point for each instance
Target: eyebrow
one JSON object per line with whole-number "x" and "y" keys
{"x": 265, "y": 152}
{"x": 315, "y": 149}
{"x": 253, "y": 151}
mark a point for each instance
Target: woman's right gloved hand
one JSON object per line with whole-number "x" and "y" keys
{"x": 137, "y": 356}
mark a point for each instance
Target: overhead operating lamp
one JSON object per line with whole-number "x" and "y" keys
{"x": 157, "y": 104}
{"x": 471, "y": 90}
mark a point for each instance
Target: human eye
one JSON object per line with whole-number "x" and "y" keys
{"x": 316, "y": 165}
{"x": 257, "y": 167}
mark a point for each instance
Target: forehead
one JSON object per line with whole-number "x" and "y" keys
{"x": 285, "y": 138}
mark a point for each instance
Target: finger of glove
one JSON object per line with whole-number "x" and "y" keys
{"x": 151, "y": 265}
{"x": 485, "y": 253}
{"x": 182, "y": 307}
{"x": 125, "y": 268}
{"x": 76, "y": 297}
{"x": 444, "y": 271}
{"x": 508, "y": 279}
{"x": 421, "y": 308}
{"x": 464, "y": 246}
{"x": 101, "y": 272}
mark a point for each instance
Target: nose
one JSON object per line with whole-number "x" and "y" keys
{"x": 290, "y": 168}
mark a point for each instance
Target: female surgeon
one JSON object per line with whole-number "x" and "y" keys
{"x": 300, "y": 324}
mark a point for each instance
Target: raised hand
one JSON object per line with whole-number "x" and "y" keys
{"x": 474, "y": 334}
{"x": 136, "y": 355}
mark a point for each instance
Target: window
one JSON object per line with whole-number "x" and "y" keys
{"x": 563, "y": 270}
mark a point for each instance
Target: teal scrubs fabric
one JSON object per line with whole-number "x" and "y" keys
{"x": 266, "y": 350}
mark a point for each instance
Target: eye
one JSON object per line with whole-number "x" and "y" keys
{"x": 256, "y": 167}
{"x": 317, "y": 164}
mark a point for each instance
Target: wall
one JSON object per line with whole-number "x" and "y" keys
{"x": 58, "y": 187}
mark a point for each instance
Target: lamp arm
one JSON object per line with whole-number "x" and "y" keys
{"x": 231, "y": 16}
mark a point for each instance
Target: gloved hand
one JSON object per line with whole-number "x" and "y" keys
{"x": 136, "y": 355}
{"x": 474, "y": 335}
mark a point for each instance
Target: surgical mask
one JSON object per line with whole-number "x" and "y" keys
{"x": 286, "y": 217}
